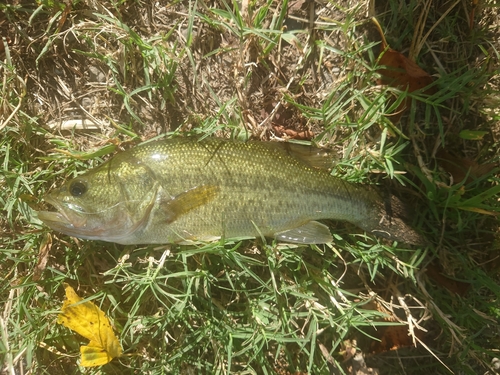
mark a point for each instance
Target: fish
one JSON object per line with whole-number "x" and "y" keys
{"x": 185, "y": 190}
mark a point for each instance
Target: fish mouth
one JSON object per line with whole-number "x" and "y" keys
{"x": 64, "y": 219}
{"x": 73, "y": 220}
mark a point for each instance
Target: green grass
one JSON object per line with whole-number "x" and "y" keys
{"x": 143, "y": 70}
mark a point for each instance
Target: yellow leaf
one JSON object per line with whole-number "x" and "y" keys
{"x": 90, "y": 321}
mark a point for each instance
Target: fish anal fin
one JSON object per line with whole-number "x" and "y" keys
{"x": 312, "y": 232}
{"x": 187, "y": 201}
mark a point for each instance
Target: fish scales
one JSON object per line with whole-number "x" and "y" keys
{"x": 260, "y": 189}
{"x": 183, "y": 190}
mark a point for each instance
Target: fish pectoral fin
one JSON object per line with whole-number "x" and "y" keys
{"x": 187, "y": 201}
{"x": 309, "y": 233}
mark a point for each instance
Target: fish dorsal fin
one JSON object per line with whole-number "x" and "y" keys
{"x": 309, "y": 233}
{"x": 187, "y": 201}
{"x": 312, "y": 156}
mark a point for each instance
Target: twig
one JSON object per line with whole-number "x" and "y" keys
{"x": 419, "y": 42}
{"x": 23, "y": 93}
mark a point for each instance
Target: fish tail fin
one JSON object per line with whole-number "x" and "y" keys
{"x": 390, "y": 220}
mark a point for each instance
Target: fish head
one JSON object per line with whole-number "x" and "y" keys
{"x": 95, "y": 206}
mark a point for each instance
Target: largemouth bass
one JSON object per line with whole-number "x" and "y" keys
{"x": 182, "y": 190}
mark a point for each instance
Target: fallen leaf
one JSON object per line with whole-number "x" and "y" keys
{"x": 460, "y": 168}
{"x": 460, "y": 288}
{"x": 400, "y": 72}
{"x": 88, "y": 320}
{"x": 297, "y": 4}
{"x": 390, "y": 337}
{"x": 354, "y": 360}
{"x": 64, "y": 16}
{"x": 473, "y": 135}
{"x": 472, "y": 13}
{"x": 293, "y": 134}
{"x": 43, "y": 256}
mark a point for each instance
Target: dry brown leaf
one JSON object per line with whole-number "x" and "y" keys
{"x": 296, "y": 4}
{"x": 43, "y": 257}
{"x": 293, "y": 134}
{"x": 354, "y": 360}
{"x": 458, "y": 287}
{"x": 472, "y": 13}
{"x": 400, "y": 72}
{"x": 461, "y": 168}
{"x": 390, "y": 337}
{"x": 64, "y": 16}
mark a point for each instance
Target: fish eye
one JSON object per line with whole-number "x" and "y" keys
{"x": 77, "y": 188}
